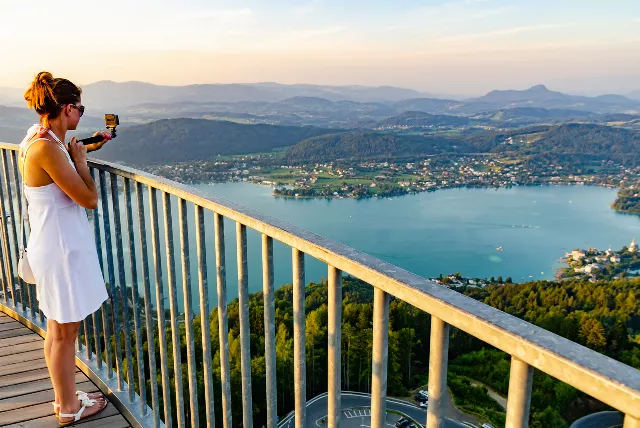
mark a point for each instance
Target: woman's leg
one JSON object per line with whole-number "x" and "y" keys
{"x": 47, "y": 355}
{"x": 62, "y": 368}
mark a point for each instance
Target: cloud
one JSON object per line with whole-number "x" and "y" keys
{"x": 306, "y": 9}
{"x": 218, "y": 15}
{"x": 497, "y": 33}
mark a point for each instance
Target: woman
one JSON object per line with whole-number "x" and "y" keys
{"x": 61, "y": 248}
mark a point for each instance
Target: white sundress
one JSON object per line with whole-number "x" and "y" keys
{"x": 61, "y": 251}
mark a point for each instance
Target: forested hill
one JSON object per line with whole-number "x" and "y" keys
{"x": 180, "y": 140}
{"x": 603, "y": 316}
{"x": 366, "y": 145}
{"x": 582, "y": 140}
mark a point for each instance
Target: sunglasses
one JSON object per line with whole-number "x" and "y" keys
{"x": 80, "y": 108}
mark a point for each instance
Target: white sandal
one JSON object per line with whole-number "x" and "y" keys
{"x": 56, "y": 406}
{"x": 86, "y": 402}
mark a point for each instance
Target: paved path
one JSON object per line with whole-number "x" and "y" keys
{"x": 492, "y": 393}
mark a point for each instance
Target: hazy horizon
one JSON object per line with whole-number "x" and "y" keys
{"x": 456, "y": 47}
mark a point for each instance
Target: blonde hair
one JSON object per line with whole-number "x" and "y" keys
{"x": 47, "y": 94}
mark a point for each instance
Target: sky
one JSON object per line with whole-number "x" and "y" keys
{"x": 458, "y": 47}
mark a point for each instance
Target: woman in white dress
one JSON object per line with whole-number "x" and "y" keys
{"x": 61, "y": 249}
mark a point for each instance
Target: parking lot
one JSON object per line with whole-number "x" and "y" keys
{"x": 356, "y": 418}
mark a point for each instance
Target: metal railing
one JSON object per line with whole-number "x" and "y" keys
{"x": 104, "y": 360}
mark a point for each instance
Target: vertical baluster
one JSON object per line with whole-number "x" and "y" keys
{"x": 243, "y": 303}
{"x": 188, "y": 312}
{"x": 18, "y": 186}
{"x": 335, "y": 345}
{"x": 380, "y": 357}
{"x": 7, "y": 262}
{"x": 134, "y": 299}
{"x": 269, "y": 330}
{"x": 87, "y": 345}
{"x": 79, "y": 338}
{"x": 3, "y": 268}
{"x": 173, "y": 306}
{"x": 96, "y": 323}
{"x": 299, "y": 356}
{"x": 223, "y": 327}
{"x": 438, "y": 362}
{"x": 204, "y": 316}
{"x": 519, "y": 398}
{"x": 122, "y": 284}
{"x": 164, "y": 363}
{"x": 12, "y": 243}
{"x": 112, "y": 282}
{"x": 147, "y": 312}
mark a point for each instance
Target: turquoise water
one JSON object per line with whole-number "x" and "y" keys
{"x": 444, "y": 232}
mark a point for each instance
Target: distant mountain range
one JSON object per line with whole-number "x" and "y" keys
{"x": 123, "y": 97}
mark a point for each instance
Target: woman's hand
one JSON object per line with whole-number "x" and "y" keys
{"x": 97, "y": 146}
{"x": 78, "y": 152}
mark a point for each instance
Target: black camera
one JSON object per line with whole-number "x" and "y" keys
{"x": 111, "y": 121}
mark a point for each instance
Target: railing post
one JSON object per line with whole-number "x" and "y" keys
{"x": 122, "y": 285}
{"x": 204, "y": 316}
{"x": 269, "y": 330}
{"x": 379, "y": 357}
{"x": 134, "y": 298}
{"x": 103, "y": 308}
{"x": 16, "y": 246}
{"x": 299, "y": 355}
{"x": 243, "y": 312}
{"x": 438, "y": 361}
{"x": 188, "y": 313}
{"x": 108, "y": 248}
{"x": 148, "y": 307}
{"x": 335, "y": 346}
{"x": 631, "y": 422}
{"x": 162, "y": 325}
{"x": 17, "y": 182}
{"x": 519, "y": 398}
{"x": 173, "y": 308}
{"x": 223, "y": 321}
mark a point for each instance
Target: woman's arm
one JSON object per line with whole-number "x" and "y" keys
{"x": 97, "y": 146}
{"x": 77, "y": 184}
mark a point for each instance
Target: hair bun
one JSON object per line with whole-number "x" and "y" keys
{"x": 44, "y": 77}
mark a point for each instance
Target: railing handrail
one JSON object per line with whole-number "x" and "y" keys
{"x": 604, "y": 378}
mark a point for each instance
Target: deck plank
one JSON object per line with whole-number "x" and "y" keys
{"x": 10, "y": 326}
{"x": 47, "y": 419}
{"x": 12, "y": 341}
{"x": 21, "y": 357}
{"x": 45, "y": 396}
{"x": 24, "y": 366}
{"x": 26, "y": 391}
{"x": 33, "y": 386}
{"x": 15, "y": 332}
{"x": 21, "y": 347}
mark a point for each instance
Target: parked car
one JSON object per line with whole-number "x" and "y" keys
{"x": 403, "y": 423}
{"x": 424, "y": 404}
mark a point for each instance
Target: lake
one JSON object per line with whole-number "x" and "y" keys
{"x": 446, "y": 231}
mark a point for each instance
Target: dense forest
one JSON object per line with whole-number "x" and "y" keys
{"x": 585, "y": 142}
{"x": 628, "y": 200}
{"x": 603, "y": 316}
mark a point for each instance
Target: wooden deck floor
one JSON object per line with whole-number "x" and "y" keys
{"x": 25, "y": 388}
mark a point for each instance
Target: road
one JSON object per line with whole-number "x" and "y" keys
{"x": 317, "y": 410}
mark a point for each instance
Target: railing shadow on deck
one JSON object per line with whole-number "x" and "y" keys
{"x": 103, "y": 358}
